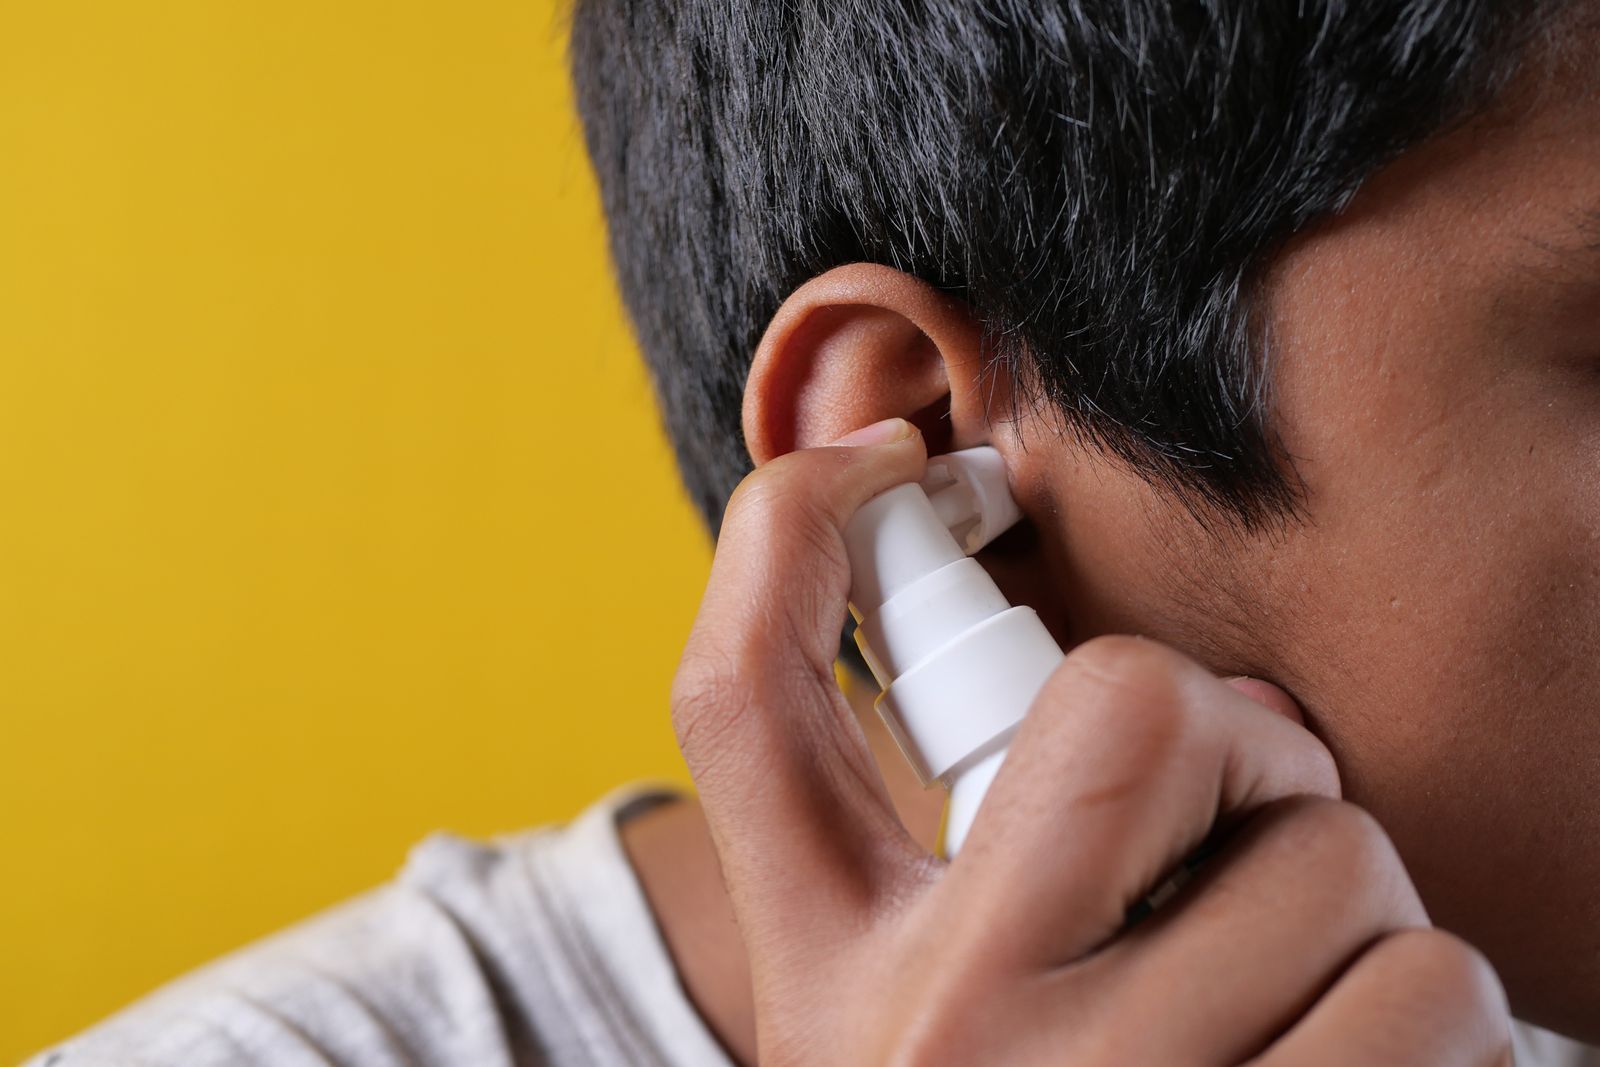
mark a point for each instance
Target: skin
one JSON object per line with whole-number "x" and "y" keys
{"x": 1437, "y": 615}
{"x": 672, "y": 849}
{"x": 1288, "y": 948}
{"x": 1433, "y": 368}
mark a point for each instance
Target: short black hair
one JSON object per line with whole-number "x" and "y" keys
{"x": 1101, "y": 180}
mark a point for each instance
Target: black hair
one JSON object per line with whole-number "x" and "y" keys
{"x": 1101, "y": 180}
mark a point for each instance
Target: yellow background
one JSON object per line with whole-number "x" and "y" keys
{"x": 333, "y": 505}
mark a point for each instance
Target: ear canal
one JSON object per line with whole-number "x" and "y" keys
{"x": 936, "y": 425}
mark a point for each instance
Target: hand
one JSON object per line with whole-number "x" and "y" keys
{"x": 1301, "y": 941}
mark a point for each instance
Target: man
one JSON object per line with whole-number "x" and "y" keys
{"x": 1284, "y": 318}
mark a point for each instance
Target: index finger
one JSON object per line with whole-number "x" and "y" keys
{"x": 801, "y": 820}
{"x": 1129, "y": 757}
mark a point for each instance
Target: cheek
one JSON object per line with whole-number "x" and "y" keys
{"x": 1447, "y": 658}
{"x": 1419, "y": 639}
{"x": 1439, "y": 617}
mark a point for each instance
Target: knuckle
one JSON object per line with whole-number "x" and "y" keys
{"x": 740, "y": 500}
{"x": 706, "y": 699}
{"x": 1446, "y": 972}
{"x": 753, "y": 498}
{"x": 772, "y": 508}
{"x": 785, "y": 477}
{"x": 1121, "y": 661}
{"x": 758, "y": 493}
{"x": 699, "y": 685}
{"x": 1346, "y": 851}
{"x": 1343, "y": 835}
{"x": 1347, "y": 861}
{"x": 1126, "y": 695}
{"x": 1322, "y": 772}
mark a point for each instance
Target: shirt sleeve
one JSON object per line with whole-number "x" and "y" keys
{"x": 392, "y": 978}
{"x": 537, "y": 949}
{"x": 534, "y": 951}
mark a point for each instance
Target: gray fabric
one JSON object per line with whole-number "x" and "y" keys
{"x": 537, "y": 949}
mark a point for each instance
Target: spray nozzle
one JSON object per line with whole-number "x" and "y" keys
{"x": 909, "y": 532}
{"x": 968, "y": 492}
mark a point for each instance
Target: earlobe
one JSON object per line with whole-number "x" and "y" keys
{"x": 860, "y": 343}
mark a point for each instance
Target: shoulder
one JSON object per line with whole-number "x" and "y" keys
{"x": 476, "y": 953}
{"x": 328, "y": 990}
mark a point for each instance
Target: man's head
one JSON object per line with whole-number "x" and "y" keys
{"x": 1286, "y": 317}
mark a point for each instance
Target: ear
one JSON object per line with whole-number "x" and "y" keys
{"x": 860, "y": 343}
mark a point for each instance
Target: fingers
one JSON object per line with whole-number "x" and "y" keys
{"x": 1419, "y": 996}
{"x": 795, "y": 804}
{"x": 1268, "y": 695}
{"x": 1267, "y": 925}
{"x": 1128, "y": 757}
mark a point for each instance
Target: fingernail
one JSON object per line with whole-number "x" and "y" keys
{"x": 879, "y": 433}
{"x": 1270, "y": 696}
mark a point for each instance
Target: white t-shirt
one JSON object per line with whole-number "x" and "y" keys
{"x": 535, "y": 949}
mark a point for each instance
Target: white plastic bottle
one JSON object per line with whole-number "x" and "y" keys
{"x": 959, "y": 666}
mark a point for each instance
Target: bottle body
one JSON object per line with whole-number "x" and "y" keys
{"x": 959, "y": 665}
{"x": 954, "y": 711}
{"x": 967, "y": 790}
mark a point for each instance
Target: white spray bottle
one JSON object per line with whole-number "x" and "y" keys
{"x": 959, "y": 666}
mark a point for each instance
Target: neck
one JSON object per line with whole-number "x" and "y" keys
{"x": 671, "y": 851}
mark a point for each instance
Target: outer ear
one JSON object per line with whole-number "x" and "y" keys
{"x": 860, "y": 343}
